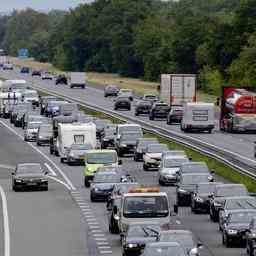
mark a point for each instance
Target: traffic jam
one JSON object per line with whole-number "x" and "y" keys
{"x": 139, "y": 215}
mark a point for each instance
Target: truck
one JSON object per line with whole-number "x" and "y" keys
{"x": 198, "y": 116}
{"x": 7, "y": 101}
{"x": 238, "y": 110}
{"x": 77, "y": 79}
{"x": 177, "y": 89}
{"x": 75, "y": 133}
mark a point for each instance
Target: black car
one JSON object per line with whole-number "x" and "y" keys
{"x": 187, "y": 185}
{"x": 200, "y": 199}
{"x": 24, "y": 70}
{"x": 108, "y": 137}
{"x": 122, "y": 103}
{"x": 150, "y": 98}
{"x": 44, "y": 135}
{"x": 175, "y": 115}
{"x": 100, "y": 125}
{"x": 184, "y": 237}
{"x": 127, "y": 142}
{"x": 29, "y": 175}
{"x": 142, "y": 107}
{"x": 141, "y": 145}
{"x": 159, "y": 110}
{"x": 221, "y": 192}
{"x": 76, "y": 153}
{"x": 103, "y": 184}
{"x": 250, "y": 237}
{"x": 111, "y": 90}
{"x": 61, "y": 79}
{"x": 36, "y": 73}
{"x": 235, "y": 227}
{"x": 136, "y": 238}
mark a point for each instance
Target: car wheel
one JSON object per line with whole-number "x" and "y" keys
{"x": 136, "y": 113}
{"x": 210, "y": 131}
{"x": 86, "y": 183}
{"x": 51, "y": 151}
{"x": 120, "y": 153}
{"x": 38, "y": 144}
{"x": 160, "y": 182}
{"x": 135, "y": 158}
{"x": 151, "y": 117}
{"x": 129, "y": 108}
{"x": 92, "y": 198}
{"x": 14, "y": 188}
{"x": 45, "y": 188}
{"x": 25, "y": 139}
{"x": 145, "y": 167}
{"x": 62, "y": 160}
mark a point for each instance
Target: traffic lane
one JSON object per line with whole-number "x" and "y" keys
{"x": 242, "y": 146}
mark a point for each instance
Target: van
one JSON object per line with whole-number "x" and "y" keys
{"x": 198, "y": 116}
{"x": 124, "y": 128}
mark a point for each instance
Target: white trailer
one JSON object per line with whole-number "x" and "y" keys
{"x": 198, "y": 116}
{"x": 75, "y": 133}
{"x": 177, "y": 89}
{"x": 77, "y": 79}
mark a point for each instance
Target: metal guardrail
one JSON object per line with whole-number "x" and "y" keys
{"x": 227, "y": 157}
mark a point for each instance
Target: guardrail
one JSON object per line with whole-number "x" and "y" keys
{"x": 229, "y": 158}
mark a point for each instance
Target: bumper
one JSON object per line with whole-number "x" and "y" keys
{"x": 155, "y": 164}
{"x": 170, "y": 181}
{"x": 135, "y": 251}
{"x": 100, "y": 196}
{"x": 31, "y": 185}
{"x": 160, "y": 115}
{"x": 75, "y": 160}
{"x": 238, "y": 238}
{"x": 128, "y": 149}
{"x": 184, "y": 199}
{"x": 203, "y": 207}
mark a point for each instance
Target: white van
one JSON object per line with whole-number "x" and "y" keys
{"x": 198, "y": 116}
{"x": 75, "y": 133}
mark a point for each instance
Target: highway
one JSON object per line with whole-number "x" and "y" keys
{"x": 76, "y": 226}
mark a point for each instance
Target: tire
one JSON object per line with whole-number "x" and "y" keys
{"x": 92, "y": 199}
{"x": 25, "y": 139}
{"x": 226, "y": 241}
{"x": 160, "y": 183}
{"x": 145, "y": 168}
{"x": 210, "y": 131}
{"x": 168, "y": 121}
{"x": 38, "y": 144}
{"x": 83, "y": 87}
{"x": 129, "y": 109}
{"x": 151, "y": 117}
{"x": 62, "y": 160}
{"x": 51, "y": 151}
{"x": 71, "y": 86}
{"x": 86, "y": 183}
{"x": 45, "y": 189}
{"x": 120, "y": 153}
{"x": 135, "y": 158}
{"x": 14, "y": 188}
{"x": 136, "y": 113}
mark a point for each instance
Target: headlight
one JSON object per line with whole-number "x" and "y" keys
{"x": 199, "y": 199}
{"x": 232, "y": 231}
{"x": 41, "y": 137}
{"x": 182, "y": 190}
{"x": 18, "y": 180}
{"x": 123, "y": 145}
{"x": 132, "y": 245}
{"x": 96, "y": 189}
{"x": 43, "y": 180}
{"x": 139, "y": 151}
{"x": 116, "y": 217}
{"x": 72, "y": 154}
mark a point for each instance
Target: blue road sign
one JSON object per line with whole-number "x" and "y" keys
{"x": 23, "y": 53}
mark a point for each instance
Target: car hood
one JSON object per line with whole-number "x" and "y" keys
{"x": 30, "y": 176}
{"x": 204, "y": 196}
{"x": 154, "y": 155}
{"x": 103, "y": 186}
{"x": 188, "y": 187}
{"x": 238, "y": 226}
{"x": 140, "y": 240}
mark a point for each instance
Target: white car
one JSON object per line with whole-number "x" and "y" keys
{"x": 153, "y": 155}
{"x": 7, "y": 66}
{"x": 47, "y": 76}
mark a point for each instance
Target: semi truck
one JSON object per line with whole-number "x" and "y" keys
{"x": 238, "y": 110}
{"x": 177, "y": 89}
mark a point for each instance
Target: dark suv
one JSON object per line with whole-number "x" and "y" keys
{"x": 159, "y": 110}
{"x": 142, "y": 107}
{"x": 175, "y": 115}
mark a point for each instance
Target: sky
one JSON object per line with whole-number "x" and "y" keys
{"x": 9, "y": 5}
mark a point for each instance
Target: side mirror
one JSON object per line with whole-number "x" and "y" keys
{"x": 176, "y": 208}
{"x": 120, "y": 162}
{"x": 115, "y": 210}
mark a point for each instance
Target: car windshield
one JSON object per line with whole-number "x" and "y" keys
{"x": 101, "y": 123}
{"x": 102, "y": 158}
{"x": 164, "y": 251}
{"x": 195, "y": 168}
{"x": 175, "y": 153}
{"x": 241, "y": 217}
{"x": 157, "y": 148}
{"x": 143, "y": 230}
{"x": 33, "y": 125}
{"x": 29, "y": 168}
{"x": 129, "y": 128}
{"x": 186, "y": 239}
{"x": 171, "y": 171}
{"x": 240, "y": 203}
{"x": 194, "y": 179}
{"x": 144, "y": 143}
{"x": 56, "y": 103}
{"x": 226, "y": 191}
{"x": 130, "y": 136}
{"x": 81, "y": 147}
{"x": 145, "y": 207}
{"x": 174, "y": 162}
{"x": 144, "y": 103}
{"x": 205, "y": 188}
{"x": 109, "y": 177}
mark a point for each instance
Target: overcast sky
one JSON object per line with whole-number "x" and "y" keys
{"x": 8, "y": 5}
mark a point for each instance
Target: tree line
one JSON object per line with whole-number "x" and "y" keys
{"x": 215, "y": 39}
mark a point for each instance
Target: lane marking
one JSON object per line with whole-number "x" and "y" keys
{"x": 101, "y": 239}
{"x": 104, "y": 247}
{"x": 50, "y": 170}
{"x": 106, "y": 252}
{"x": 59, "y": 181}
{"x": 98, "y": 235}
{"x": 5, "y": 166}
{"x": 44, "y": 155}
{"x": 97, "y": 231}
{"x": 94, "y": 226}
{"x": 6, "y": 223}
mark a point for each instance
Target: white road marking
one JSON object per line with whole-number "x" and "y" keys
{"x": 59, "y": 181}
{"x": 6, "y": 223}
{"x": 106, "y": 252}
{"x": 44, "y": 155}
{"x": 96, "y": 231}
{"x": 5, "y": 166}
{"x": 50, "y": 169}
{"x": 94, "y": 226}
{"x": 98, "y": 235}
{"x": 104, "y": 247}
{"x": 100, "y": 239}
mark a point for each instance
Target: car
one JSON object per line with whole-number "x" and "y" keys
{"x": 124, "y": 128}
{"x": 31, "y": 97}
{"x": 159, "y": 110}
{"x": 195, "y": 167}
{"x": 175, "y": 115}
{"x": 18, "y": 108}
{"x": 122, "y": 103}
{"x": 186, "y": 187}
{"x": 100, "y": 125}
{"x": 43, "y": 102}
{"x": 165, "y": 249}
{"x": 200, "y": 198}
{"x": 250, "y": 237}
{"x": 47, "y": 76}
{"x": 221, "y": 192}
{"x": 53, "y": 108}
{"x": 142, "y": 107}
{"x": 36, "y": 73}
{"x": 76, "y": 153}
{"x": 184, "y": 237}
{"x": 141, "y": 145}
{"x": 24, "y": 70}
{"x": 128, "y": 93}
{"x": 127, "y": 142}
{"x": 167, "y": 174}
{"x": 152, "y": 156}
{"x": 44, "y": 134}
{"x": 29, "y": 175}
{"x": 108, "y": 137}
{"x": 236, "y": 227}
{"x": 150, "y": 98}
{"x": 33, "y": 117}
{"x": 137, "y": 236}
{"x": 61, "y": 79}
{"x": 111, "y": 90}
{"x": 31, "y": 131}
{"x": 7, "y": 66}
{"x": 103, "y": 184}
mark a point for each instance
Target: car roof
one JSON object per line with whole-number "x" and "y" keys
{"x": 28, "y": 164}
{"x": 145, "y": 194}
{"x": 175, "y": 157}
{"x": 122, "y": 125}
{"x": 194, "y": 163}
{"x": 239, "y": 197}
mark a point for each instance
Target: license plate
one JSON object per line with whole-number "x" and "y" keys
{"x": 31, "y": 183}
